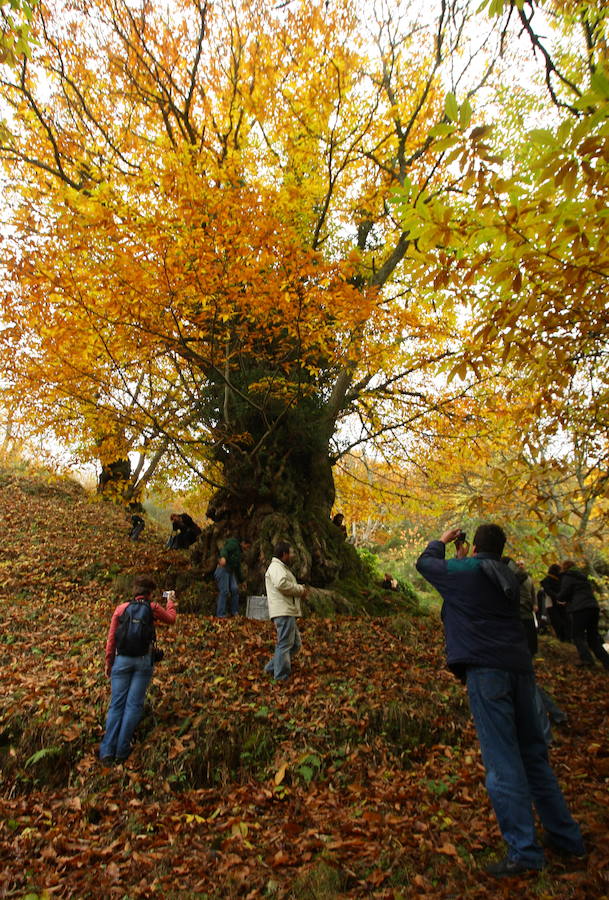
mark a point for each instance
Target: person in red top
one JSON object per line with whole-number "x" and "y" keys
{"x": 130, "y": 675}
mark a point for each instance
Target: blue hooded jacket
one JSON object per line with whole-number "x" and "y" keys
{"x": 480, "y": 612}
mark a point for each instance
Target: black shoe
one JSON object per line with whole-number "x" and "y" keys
{"x": 549, "y": 843}
{"x": 510, "y": 868}
{"x": 106, "y": 760}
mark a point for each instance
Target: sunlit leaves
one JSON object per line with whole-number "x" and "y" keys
{"x": 15, "y": 19}
{"x": 207, "y": 242}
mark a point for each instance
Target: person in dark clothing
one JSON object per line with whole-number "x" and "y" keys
{"x": 541, "y": 613}
{"x": 576, "y": 592}
{"x": 546, "y": 706}
{"x": 339, "y": 521}
{"x": 526, "y": 601}
{"x": 228, "y": 576}
{"x": 185, "y": 531}
{"x": 389, "y": 583}
{"x": 137, "y": 526}
{"x": 486, "y": 648}
{"x": 556, "y": 611}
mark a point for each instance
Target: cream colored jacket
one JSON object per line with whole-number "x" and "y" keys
{"x": 282, "y": 590}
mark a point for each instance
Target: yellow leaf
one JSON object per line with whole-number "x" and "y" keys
{"x": 280, "y": 773}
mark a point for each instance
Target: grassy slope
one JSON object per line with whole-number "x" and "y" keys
{"x": 361, "y": 778}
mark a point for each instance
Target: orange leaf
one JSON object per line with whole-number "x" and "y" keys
{"x": 448, "y": 849}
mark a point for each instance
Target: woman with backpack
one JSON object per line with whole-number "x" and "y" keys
{"x": 130, "y": 655}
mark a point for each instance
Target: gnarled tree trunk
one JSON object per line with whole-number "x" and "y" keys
{"x": 285, "y": 491}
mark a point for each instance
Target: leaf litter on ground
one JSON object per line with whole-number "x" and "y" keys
{"x": 361, "y": 777}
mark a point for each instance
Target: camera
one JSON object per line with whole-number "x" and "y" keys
{"x": 157, "y": 655}
{"x": 461, "y": 538}
{"x": 166, "y": 594}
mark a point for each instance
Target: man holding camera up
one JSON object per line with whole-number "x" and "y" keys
{"x": 486, "y": 649}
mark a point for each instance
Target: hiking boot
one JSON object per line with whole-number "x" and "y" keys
{"x": 511, "y": 868}
{"x": 549, "y": 843}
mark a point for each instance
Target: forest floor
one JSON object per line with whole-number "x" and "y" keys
{"x": 361, "y": 777}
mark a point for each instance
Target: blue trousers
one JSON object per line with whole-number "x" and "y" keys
{"x": 288, "y": 644}
{"x": 518, "y": 772}
{"x": 227, "y": 587}
{"x": 129, "y": 679}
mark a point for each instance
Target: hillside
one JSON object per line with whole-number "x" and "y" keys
{"x": 360, "y": 778}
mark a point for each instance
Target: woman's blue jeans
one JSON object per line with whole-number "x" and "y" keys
{"x": 130, "y": 679}
{"x": 515, "y": 756}
{"x": 288, "y": 645}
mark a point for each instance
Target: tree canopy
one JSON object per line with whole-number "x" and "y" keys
{"x": 255, "y": 238}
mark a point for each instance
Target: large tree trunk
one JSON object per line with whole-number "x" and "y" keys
{"x": 114, "y": 479}
{"x": 284, "y": 492}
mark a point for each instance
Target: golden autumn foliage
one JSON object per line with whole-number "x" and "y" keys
{"x": 247, "y": 240}
{"x": 204, "y": 208}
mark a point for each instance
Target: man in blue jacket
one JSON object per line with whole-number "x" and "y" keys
{"x": 486, "y": 648}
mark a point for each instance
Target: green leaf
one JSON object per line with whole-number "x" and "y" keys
{"x": 184, "y": 726}
{"x": 543, "y": 137}
{"x": 441, "y": 129}
{"x": 600, "y": 84}
{"x": 465, "y": 114}
{"x": 306, "y": 773}
{"x": 451, "y": 107}
{"x": 42, "y": 754}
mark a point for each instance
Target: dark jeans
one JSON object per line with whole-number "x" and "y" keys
{"x": 515, "y": 756}
{"x": 560, "y": 622}
{"x": 180, "y": 540}
{"x": 586, "y": 636}
{"x": 136, "y": 530}
{"x": 227, "y": 588}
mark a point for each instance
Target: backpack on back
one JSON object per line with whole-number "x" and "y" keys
{"x": 135, "y": 632}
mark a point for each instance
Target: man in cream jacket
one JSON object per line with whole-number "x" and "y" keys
{"x": 284, "y": 595}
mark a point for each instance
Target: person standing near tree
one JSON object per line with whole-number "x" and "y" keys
{"x": 486, "y": 648}
{"x": 184, "y": 532}
{"x": 582, "y": 606}
{"x": 228, "y": 576}
{"x": 129, "y": 664}
{"x": 556, "y": 611}
{"x": 284, "y": 595}
{"x": 339, "y": 521}
{"x": 137, "y": 526}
